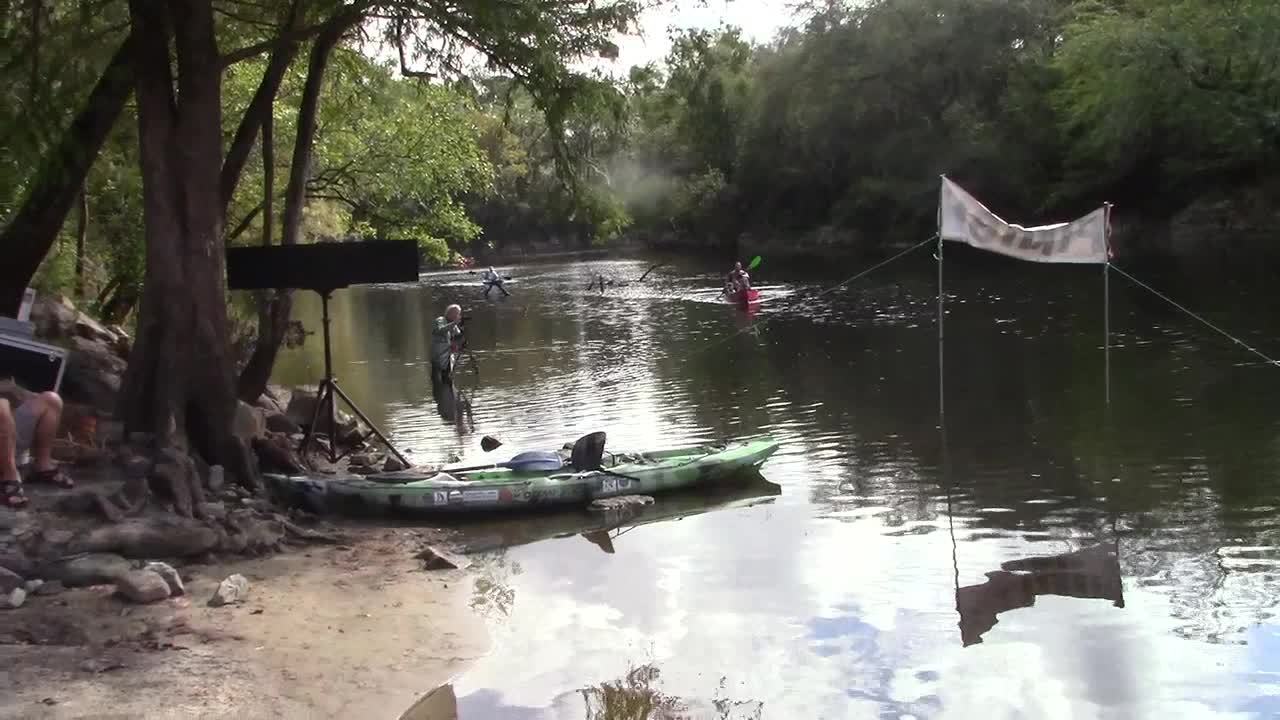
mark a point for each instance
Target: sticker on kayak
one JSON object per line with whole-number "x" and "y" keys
{"x": 441, "y": 498}
{"x": 612, "y": 484}
{"x": 471, "y": 496}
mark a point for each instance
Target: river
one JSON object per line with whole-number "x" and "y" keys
{"x": 865, "y": 579}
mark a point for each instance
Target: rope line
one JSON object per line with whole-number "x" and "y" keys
{"x": 1206, "y": 323}
{"x": 765, "y": 321}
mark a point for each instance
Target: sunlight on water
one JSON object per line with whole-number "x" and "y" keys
{"x": 1071, "y": 561}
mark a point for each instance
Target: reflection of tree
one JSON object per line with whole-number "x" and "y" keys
{"x": 635, "y": 697}
{"x": 492, "y": 592}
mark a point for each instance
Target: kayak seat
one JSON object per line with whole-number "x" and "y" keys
{"x": 587, "y": 452}
{"x": 536, "y": 461}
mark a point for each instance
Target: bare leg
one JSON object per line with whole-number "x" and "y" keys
{"x": 46, "y": 430}
{"x": 8, "y": 444}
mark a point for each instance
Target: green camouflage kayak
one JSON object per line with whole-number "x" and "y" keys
{"x": 545, "y": 479}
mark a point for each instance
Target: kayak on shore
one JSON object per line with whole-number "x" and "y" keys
{"x": 576, "y": 475}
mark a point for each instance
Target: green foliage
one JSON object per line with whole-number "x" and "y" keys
{"x": 1044, "y": 108}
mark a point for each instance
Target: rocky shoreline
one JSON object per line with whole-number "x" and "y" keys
{"x": 152, "y": 546}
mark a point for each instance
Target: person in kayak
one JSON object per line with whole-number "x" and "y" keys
{"x": 446, "y": 330}
{"x": 739, "y": 280}
{"x": 491, "y": 280}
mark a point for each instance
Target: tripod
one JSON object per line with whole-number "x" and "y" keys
{"x": 325, "y": 402}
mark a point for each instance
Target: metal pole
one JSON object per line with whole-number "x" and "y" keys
{"x": 1106, "y": 328}
{"x": 941, "y": 317}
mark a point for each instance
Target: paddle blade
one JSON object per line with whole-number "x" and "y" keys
{"x": 755, "y": 263}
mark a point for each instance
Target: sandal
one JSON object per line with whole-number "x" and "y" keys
{"x": 52, "y": 477}
{"x": 12, "y": 495}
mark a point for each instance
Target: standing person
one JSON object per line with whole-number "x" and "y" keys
{"x": 445, "y": 331}
{"x": 491, "y": 280}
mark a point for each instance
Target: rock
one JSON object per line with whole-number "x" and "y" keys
{"x": 142, "y": 586}
{"x": 212, "y": 511}
{"x": 217, "y": 478}
{"x": 33, "y": 586}
{"x": 360, "y": 460}
{"x": 111, "y": 432}
{"x": 276, "y": 398}
{"x": 88, "y": 569}
{"x": 489, "y": 443}
{"x": 8, "y": 518}
{"x": 136, "y": 466}
{"x": 13, "y": 599}
{"x": 232, "y": 590}
{"x": 278, "y": 422}
{"x": 348, "y": 430}
{"x": 170, "y": 576}
{"x": 90, "y": 329}
{"x": 621, "y": 502}
{"x": 301, "y": 406}
{"x": 48, "y": 587}
{"x": 161, "y": 536}
{"x": 53, "y": 317}
{"x": 435, "y": 558}
{"x": 123, "y": 343}
{"x": 9, "y": 580}
{"x": 249, "y": 422}
{"x": 394, "y": 464}
{"x": 93, "y": 374}
{"x": 16, "y": 561}
{"x": 276, "y": 454}
{"x": 142, "y": 440}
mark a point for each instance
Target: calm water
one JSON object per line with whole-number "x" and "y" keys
{"x": 866, "y": 581}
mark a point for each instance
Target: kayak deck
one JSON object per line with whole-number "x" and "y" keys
{"x": 499, "y": 488}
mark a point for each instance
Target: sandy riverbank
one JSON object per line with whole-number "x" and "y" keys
{"x": 355, "y": 630}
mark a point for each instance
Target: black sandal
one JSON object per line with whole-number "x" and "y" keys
{"x": 52, "y": 477}
{"x": 12, "y": 494}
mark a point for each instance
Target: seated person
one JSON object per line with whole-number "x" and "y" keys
{"x": 32, "y": 426}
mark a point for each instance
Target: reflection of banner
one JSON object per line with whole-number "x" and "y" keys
{"x": 966, "y": 220}
{"x": 1092, "y": 572}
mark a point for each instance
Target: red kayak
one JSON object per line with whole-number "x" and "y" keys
{"x": 744, "y": 297}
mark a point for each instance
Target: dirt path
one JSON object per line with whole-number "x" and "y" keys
{"x": 347, "y": 631}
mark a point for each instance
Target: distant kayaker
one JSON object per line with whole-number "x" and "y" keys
{"x": 447, "y": 329}
{"x": 739, "y": 279}
{"x": 491, "y": 280}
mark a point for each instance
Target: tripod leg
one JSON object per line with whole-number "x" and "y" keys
{"x": 376, "y": 431}
{"x": 307, "y": 439}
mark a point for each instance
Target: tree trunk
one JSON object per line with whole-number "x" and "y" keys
{"x": 34, "y": 228}
{"x": 258, "y": 114}
{"x": 274, "y": 322}
{"x": 81, "y": 231}
{"x": 179, "y": 383}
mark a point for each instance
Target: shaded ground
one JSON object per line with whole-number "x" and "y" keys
{"x": 329, "y": 632}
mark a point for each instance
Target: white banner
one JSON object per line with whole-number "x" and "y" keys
{"x": 966, "y": 220}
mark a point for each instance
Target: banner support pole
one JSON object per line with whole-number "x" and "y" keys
{"x": 941, "y": 319}
{"x": 1106, "y": 309}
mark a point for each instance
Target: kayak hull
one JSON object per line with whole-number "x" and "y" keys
{"x": 499, "y": 489}
{"x": 745, "y": 297}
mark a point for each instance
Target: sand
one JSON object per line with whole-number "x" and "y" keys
{"x": 348, "y": 631}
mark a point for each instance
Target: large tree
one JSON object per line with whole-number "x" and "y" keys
{"x": 180, "y": 382}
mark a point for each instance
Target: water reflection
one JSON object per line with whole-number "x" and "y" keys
{"x": 838, "y": 597}
{"x": 1092, "y": 572}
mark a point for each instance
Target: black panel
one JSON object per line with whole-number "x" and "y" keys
{"x": 29, "y": 367}
{"x": 322, "y": 266}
